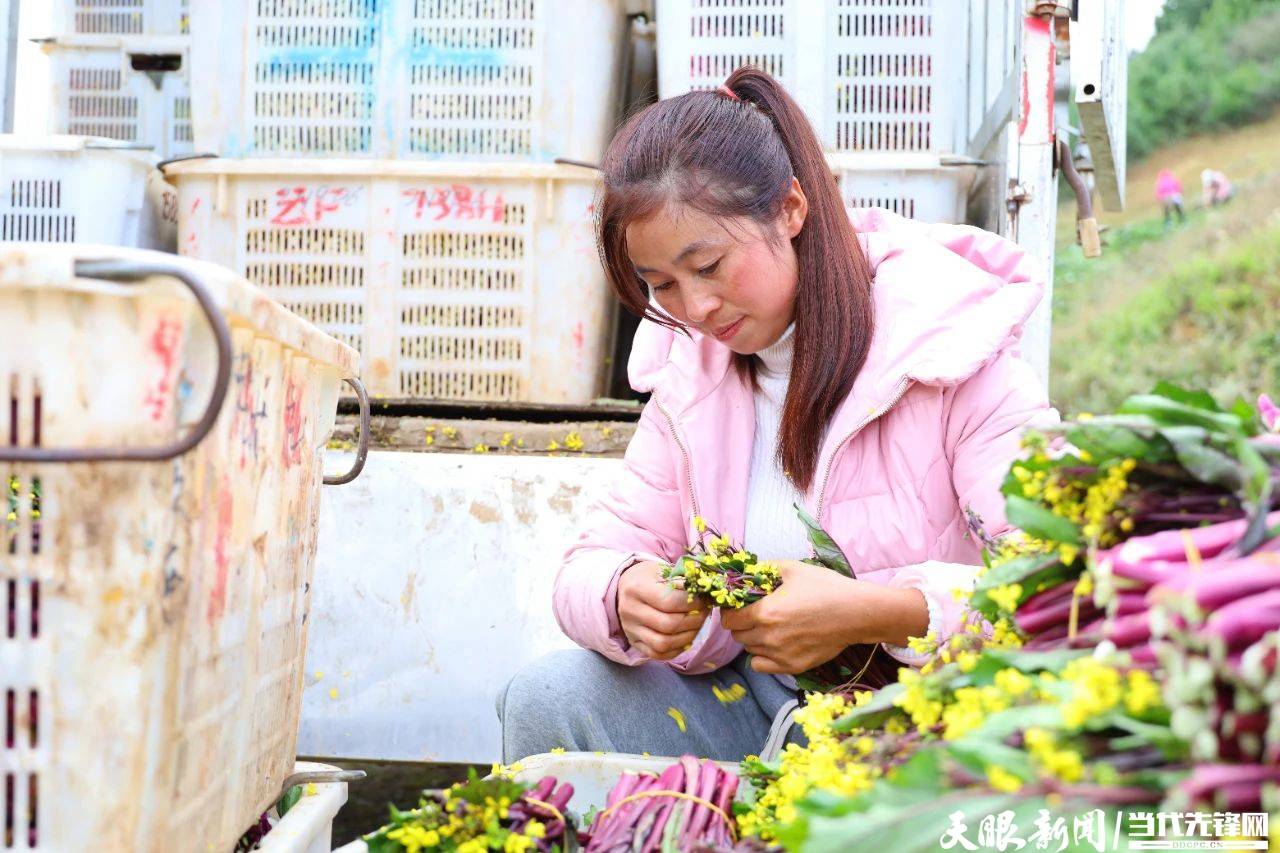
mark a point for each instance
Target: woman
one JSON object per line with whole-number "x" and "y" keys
{"x": 866, "y": 369}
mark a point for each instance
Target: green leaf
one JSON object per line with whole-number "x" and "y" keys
{"x": 1169, "y": 412}
{"x": 992, "y": 661}
{"x": 895, "y": 823}
{"x": 922, "y": 771}
{"x": 874, "y": 713}
{"x": 823, "y": 545}
{"x": 289, "y": 800}
{"x": 1031, "y": 571}
{"x": 977, "y": 753}
{"x": 1107, "y": 441}
{"x": 1249, "y": 417}
{"x": 1035, "y": 520}
{"x": 1196, "y": 399}
{"x": 1001, "y": 724}
{"x": 1203, "y": 461}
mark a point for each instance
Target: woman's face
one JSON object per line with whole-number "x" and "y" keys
{"x": 732, "y": 279}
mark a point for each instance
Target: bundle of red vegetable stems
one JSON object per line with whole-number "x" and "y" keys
{"x": 1195, "y": 598}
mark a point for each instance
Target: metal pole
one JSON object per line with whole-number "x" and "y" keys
{"x": 8, "y": 38}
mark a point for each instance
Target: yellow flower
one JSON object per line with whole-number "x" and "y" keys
{"x": 1002, "y": 780}
{"x": 1012, "y": 682}
{"x": 1141, "y": 693}
{"x": 506, "y": 440}
{"x": 1006, "y": 597}
{"x": 923, "y": 645}
{"x": 573, "y": 441}
{"x": 1096, "y": 689}
{"x": 557, "y": 750}
{"x": 699, "y": 524}
{"x": 553, "y": 445}
{"x": 1004, "y": 635}
{"x": 967, "y": 661}
{"x": 480, "y": 448}
{"x": 1064, "y": 764}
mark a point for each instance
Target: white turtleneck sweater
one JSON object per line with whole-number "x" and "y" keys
{"x": 772, "y": 530}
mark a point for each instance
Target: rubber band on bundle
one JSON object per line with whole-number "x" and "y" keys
{"x": 733, "y": 830}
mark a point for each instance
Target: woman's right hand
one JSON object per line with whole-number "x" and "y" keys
{"x": 658, "y": 621}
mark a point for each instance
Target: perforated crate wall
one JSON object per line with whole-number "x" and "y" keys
{"x": 929, "y": 195}
{"x": 866, "y": 72}
{"x": 455, "y": 79}
{"x": 155, "y": 613}
{"x": 69, "y": 193}
{"x": 99, "y": 92}
{"x": 121, "y": 17}
{"x": 31, "y": 210}
{"x": 452, "y": 288}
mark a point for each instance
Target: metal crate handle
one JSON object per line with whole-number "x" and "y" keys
{"x": 131, "y": 272}
{"x": 362, "y": 449}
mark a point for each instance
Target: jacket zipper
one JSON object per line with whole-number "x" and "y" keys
{"x": 688, "y": 466}
{"x": 877, "y": 412}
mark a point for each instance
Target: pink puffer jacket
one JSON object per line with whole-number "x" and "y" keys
{"x": 928, "y": 429}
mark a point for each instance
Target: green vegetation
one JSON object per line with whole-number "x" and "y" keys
{"x": 1212, "y": 64}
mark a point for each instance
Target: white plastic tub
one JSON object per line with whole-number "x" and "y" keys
{"x": 308, "y": 826}
{"x": 450, "y": 79}
{"x": 592, "y": 776}
{"x": 167, "y": 424}
{"x": 455, "y": 281}
{"x": 131, "y": 88}
{"x": 66, "y": 189}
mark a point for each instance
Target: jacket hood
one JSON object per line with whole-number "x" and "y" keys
{"x": 947, "y": 300}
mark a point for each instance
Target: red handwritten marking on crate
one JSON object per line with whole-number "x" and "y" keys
{"x": 294, "y": 206}
{"x": 221, "y": 555}
{"x": 248, "y": 411}
{"x": 163, "y": 344}
{"x": 458, "y": 201}
{"x": 291, "y": 451}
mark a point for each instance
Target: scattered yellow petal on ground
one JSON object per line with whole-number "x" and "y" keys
{"x": 675, "y": 714}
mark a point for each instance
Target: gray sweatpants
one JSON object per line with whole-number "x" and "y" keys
{"x": 582, "y": 701}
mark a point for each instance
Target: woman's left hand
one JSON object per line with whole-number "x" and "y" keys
{"x": 815, "y": 614}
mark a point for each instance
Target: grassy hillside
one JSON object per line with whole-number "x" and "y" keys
{"x": 1198, "y": 304}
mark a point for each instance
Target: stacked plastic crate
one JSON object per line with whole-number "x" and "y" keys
{"x": 387, "y": 170}
{"x": 119, "y": 70}
{"x": 883, "y": 81}
{"x": 119, "y": 103}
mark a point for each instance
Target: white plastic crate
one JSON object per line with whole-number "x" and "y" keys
{"x": 157, "y": 607}
{"x": 922, "y": 188}
{"x": 308, "y": 826}
{"x": 120, "y": 17}
{"x": 119, "y": 88}
{"x": 872, "y": 75}
{"x": 455, "y": 281}
{"x": 65, "y": 189}
{"x": 449, "y": 79}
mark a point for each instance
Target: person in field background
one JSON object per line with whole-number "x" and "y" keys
{"x": 1215, "y": 188}
{"x": 1169, "y": 194}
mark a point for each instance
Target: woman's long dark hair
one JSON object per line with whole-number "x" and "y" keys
{"x": 735, "y": 157}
